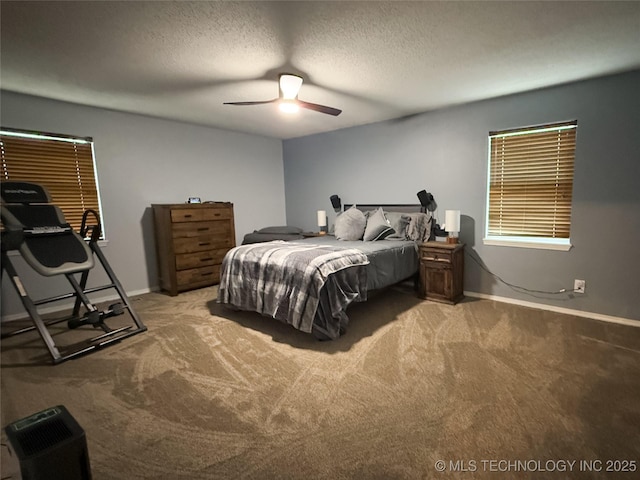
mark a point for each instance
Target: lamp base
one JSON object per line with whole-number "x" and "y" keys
{"x": 452, "y": 239}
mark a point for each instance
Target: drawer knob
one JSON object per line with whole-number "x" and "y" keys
{"x": 203, "y": 229}
{"x": 206, "y": 259}
{"x": 188, "y": 215}
{"x": 202, "y": 244}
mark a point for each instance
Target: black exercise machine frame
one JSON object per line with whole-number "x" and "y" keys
{"x": 93, "y": 317}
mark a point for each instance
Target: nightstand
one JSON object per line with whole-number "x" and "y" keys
{"x": 312, "y": 234}
{"x": 442, "y": 272}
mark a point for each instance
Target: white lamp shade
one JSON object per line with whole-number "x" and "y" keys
{"x": 452, "y": 220}
{"x": 322, "y": 218}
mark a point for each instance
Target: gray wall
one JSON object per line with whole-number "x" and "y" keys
{"x": 142, "y": 160}
{"x": 445, "y": 152}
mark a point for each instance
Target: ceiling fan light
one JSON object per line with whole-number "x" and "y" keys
{"x": 288, "y": 106}
{"x": 290, "y": 85}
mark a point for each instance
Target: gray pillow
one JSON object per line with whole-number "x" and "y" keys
{"x": 419, "y": 228}
{"x": 399, "y": 222}
{"x": 377, "y": 227}
{"x": 350, "y": 225}
{"x": 280, "y": 230}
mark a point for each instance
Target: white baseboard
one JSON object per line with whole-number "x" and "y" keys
{"x": 67, "y": 305}
{"x": 552, "y": 308}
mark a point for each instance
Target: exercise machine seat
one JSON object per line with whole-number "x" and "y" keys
{"x": 49, "y": 245}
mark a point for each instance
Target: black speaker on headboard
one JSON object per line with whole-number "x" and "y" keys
{"x": 427, "y": 200}
{"x": 336, "y": 203}
{"x": 49, "y": 445}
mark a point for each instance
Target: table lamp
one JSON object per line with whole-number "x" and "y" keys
{"x": 452, "y": 225}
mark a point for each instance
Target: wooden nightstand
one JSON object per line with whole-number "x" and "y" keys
{"x": 442, "y": 272}
{"x": 312, "y": 234}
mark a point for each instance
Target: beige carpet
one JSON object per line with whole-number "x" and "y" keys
{"x": 212, "y": 394}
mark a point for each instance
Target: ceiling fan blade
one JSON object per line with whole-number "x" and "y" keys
{"x": 320, "y": 108}
{"x": 251, "y": 103}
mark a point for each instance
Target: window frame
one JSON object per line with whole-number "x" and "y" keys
{"x": 528, "y": 241}
{"x": 75, "y": 139}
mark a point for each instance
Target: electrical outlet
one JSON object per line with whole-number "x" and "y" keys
{"x": 579, "y": 286}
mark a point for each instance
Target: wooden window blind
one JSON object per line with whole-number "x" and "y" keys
{"x": 62, "y": 164}
{"x": 531, "y": 181}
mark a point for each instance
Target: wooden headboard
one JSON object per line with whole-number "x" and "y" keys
{"x": 393, "y": 207}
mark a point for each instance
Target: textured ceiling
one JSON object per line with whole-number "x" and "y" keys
{"x": 374, "y": 60}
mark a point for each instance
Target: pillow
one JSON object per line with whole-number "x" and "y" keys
{"x": 419, "y": 228}
{"x": 377, "y": 227}
{"x": 399, "y": 222}
{"x": 350, "y": 225}
{"x": 280, "y": 230}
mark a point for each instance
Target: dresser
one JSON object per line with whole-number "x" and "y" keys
{"x": 442, "y": 271}
{"x": 191, "y": 241}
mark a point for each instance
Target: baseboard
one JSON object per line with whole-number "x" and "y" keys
{"x": 67, "y": 305}
{"x": 552, "y": 308}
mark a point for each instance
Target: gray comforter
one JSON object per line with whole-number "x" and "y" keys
{"x": 306, "y": 285}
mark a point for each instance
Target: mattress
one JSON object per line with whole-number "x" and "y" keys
{"x": 390, "y": 261}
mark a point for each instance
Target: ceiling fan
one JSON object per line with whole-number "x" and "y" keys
{"x": 288, "y": 98}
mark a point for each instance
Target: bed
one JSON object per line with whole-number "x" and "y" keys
{"x": 309, "y": 283}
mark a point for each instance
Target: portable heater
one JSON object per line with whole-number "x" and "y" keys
{"x": 49, "y": 445}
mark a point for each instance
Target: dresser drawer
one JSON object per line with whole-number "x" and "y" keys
{"x": 195, "y": 229}
{"x": 198, "y": 276}
{"x": 199, "y": 214}
{"x": 200, "y": 259}
{"x": 199, "y": 244}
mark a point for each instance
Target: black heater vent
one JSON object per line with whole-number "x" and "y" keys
{"x": 43, "y": 436}
{"x": 49, "y": 445}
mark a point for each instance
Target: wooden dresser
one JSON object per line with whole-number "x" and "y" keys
{"x": 442, "y": 271}
{"x": 191, "y": 241}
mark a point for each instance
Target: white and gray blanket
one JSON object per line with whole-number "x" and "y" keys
{"x": 307, "y": 286}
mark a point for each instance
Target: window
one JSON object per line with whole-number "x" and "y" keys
{"x": 64, "y": 165}
{"x": 530, "y": 186}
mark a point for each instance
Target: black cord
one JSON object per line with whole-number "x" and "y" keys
{"x": 517, "y": 288}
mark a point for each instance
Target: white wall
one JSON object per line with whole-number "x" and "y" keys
{"x": 445, "y": 151}
{"x": 142, "y": 160}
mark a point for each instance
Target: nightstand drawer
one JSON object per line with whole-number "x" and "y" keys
{"x": 435, "y": 255}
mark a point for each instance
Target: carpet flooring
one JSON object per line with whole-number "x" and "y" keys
{"x": 491, "y": 390}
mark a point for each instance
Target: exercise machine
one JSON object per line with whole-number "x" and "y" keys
{"x": 37, "y": 229}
